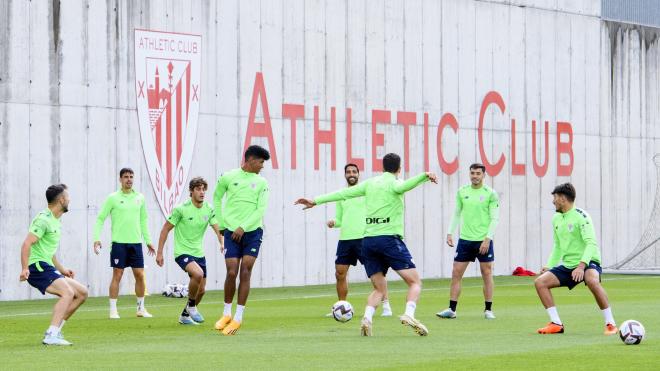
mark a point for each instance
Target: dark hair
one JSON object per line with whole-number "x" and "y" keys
{"x": 197, "y": 182}
{"x": 125, "y": 170}
{"x": 257, "y": 151}
{"x": 477, "y": 165}
{"x": 391, "y": 162}
{"x": 54, "y": 191}
{"x": 349, "y": 165}
{"x": 565, "y": 189}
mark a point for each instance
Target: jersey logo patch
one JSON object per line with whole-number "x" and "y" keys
{"x": 481, "y": 198}
{"x": 570, "y": 227}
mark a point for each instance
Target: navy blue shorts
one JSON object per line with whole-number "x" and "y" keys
{"x": 380, "y": 253}
{"x": 564, "y": 274}
{"x": 183, "y": 261}
{"x": 349, "y": 252}
{"x": 124, "y": 255}
{"x": 467, "y": 251}
{"x": 249, "y": 244}
{"x": 42, "y": 275}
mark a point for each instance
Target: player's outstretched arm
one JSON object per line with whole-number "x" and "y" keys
{"x": 167, "y": 227}
{"x": 30, "y": 240}
{"x": 409, "y": 184}
{"x": 218, "y": 194}
{"x": 455, "y": 219}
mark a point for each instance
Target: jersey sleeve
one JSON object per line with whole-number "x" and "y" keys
{"x": 494, "y": 213}
{"x": 589, "y": 237}
{"x": 409, "y": 184}
{"x": 106, "y": 208}
{"x": 456, "y": 216}
{"x": 343, "y": 194}
{"x": 339, "y": 214}
{"x": 258, "y": 214}
{"x": 38, "y": 227}
{"x": 175, "y": 217}
{"x": 218, "y": 194}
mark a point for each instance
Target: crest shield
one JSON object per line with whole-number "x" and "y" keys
{"x": 167, "y": 83}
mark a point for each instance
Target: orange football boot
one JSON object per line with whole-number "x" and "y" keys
{"x": 551, "y": 328}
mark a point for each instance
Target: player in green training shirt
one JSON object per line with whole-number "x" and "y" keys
{"x": 245, "y": 195}
{"x": 576, "y": 248}
{"x": 477, "y": 211}
{"x": 189, "y": 221}
{"x": 128, "y": 213}
{"x": 350, "y": 217}
{"x": 42, "y": 270}
{"x": 383, "y": 246}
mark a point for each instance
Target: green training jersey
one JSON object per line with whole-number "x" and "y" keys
{"x": 190, "y": 223}
{"x": 246, "y": 200}
{"x": 48, "y": 229}
{"x": 350, "y": 217}
{"x": 574, "y": 239}
{"x": 128, "y": 215}
{"x": 383, "y": 199}
{"x": 477, "y": 210}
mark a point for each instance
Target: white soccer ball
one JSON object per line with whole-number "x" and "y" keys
{"x": 342, "y": 311}
{"x": 631, "y": 332}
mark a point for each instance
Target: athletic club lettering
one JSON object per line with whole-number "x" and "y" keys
{"x": 167, "y": 83}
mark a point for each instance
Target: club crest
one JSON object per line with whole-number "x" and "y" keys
{"x": 167, "y": 89}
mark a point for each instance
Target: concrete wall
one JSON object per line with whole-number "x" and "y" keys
{"x": 68, "y": 114}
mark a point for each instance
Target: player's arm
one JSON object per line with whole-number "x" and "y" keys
{"x": 66, "y": 272}
{"x": 494, "y": 214}
{"x": 30, "y": 240}
{"x": 555, "y": 254}
{"x": 411, "y": 183}
{"x": 218, "y": 194}
{"x": 342, "y": 194}
{"x": 339, "y": 214}
{"x": 221, "y": 238}
{"x": 144, "y": 226}
{"x": 106, "y": 208}
{"x": 589, "y": 237}
{"x": 455, "y": 219}
{"x": 164, "y": 232}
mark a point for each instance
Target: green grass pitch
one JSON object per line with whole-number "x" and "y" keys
{"x": 285, "y": 328}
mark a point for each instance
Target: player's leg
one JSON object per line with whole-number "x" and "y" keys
{"x": 387, "y": 309}
{"x": 118, "y": 262}
{"x": 135, "y": 260}
{"x": 138, "y": 274}
{"x": 373, "y": 300}
{"x": 79, "y": 296}
{"x": 543, "y": 284}
{"x": 66, "y": 293}
{"x": 592, "y": 280}
{"x": 487, "y": 276}
{"x": 231, "y": 265}
{"x": 245, "y": 271}
{"x": 190, "y": 315}
{"x": 117, "y": 274}
{"x": 341, "y": 274}
{"x": 457, "y": 272}
{"x": 411, "y": 277}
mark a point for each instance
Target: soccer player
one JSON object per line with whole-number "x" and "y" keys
{"x": 241, "y": 219}
{"x": 350, "y": 217}
{"x": 43, "y": 271}
{"x": 190, "y": 220}
{"x": 575, "y": 246}
{"x": 128, "y": 214}
{"x": 477, "y": 211}
{"x": 383, "y": 246}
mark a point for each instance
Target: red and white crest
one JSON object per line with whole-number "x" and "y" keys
{"x": 167, "y": 83}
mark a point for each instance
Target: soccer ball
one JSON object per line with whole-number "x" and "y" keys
{"x": 342, "y": 311}
{"x": 631, "y": 332}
